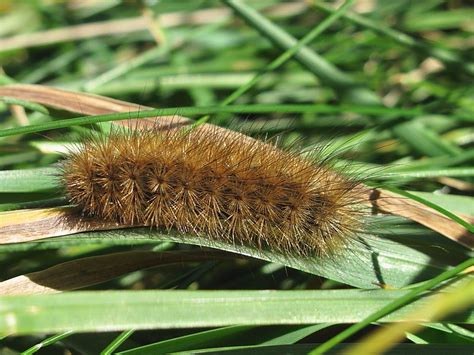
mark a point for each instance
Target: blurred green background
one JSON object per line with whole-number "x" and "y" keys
{"x": 394, "y": 84}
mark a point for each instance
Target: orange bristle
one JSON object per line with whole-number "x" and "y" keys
{"x": 222, "y": 185}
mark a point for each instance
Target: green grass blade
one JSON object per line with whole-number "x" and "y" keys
{"x": 392, "y": 307}
{"x": 290, "y": 52}
{"x": 190, "y": 111}
{"x": 328, "y": 73}
{"x": 436, "y": 20}
{"x": 188, "y": 342}
{"x": 395, "y": 259}
{"x": 121, "y": 310}
{"x": 424, "y": 140}
{"x": 296, "y": 335}
{"x": 431, "y": 173}
{"x": 29, "y": 180}
{"x": 117, "y": 342}
{"x": 405, "y": 349}
{"x": 146, "y": 57}
{"x": 454, "y": 203}
{"x": 445, "y": 55}
{"x": 262, "y": 336}
{"x": 26, "y": 104}
{"x": 49, "y": 341}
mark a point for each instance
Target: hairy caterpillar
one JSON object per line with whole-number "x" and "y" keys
{"x": 216, "y": 183}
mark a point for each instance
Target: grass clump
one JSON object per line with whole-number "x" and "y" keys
{"x": 390, "y": 83}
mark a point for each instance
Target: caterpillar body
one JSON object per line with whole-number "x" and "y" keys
{"x": 222, "y": 185}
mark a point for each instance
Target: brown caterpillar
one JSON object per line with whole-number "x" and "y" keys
{"x": 217, "y": 183}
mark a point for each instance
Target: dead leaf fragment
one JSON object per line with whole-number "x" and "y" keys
{"x": 93, "y": 270}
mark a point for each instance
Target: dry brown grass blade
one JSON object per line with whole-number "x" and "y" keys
{"x": 458, "y": 184}
{"x": 94, "y": 270}
{"x": 388, "y": 202}
{"x": 51, "y": 222}
{"x": 81, "y": 103}
{"x": 29, "y": 225}
{"x": 73, "y": 33}
{"x": 134, "y": 24}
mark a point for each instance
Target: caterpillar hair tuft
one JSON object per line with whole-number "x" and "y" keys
{"x": 216, "y": 183}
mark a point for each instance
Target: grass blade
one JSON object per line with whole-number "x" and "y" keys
{"x": 392, "y": 307}
{"x": 290, "y": 52}
{"x": 349, "y": 89}
{"x": 49, "y": 341}
{"x": 122, "y": 310}
{"x": 117, "y": 342}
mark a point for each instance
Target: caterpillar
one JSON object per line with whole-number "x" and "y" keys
{"x": 217, "y": 183}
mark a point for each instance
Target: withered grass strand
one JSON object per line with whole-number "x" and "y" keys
{"x": 222, "y": 186}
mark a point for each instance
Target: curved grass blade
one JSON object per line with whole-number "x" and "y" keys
{"x": 392, "y": 259}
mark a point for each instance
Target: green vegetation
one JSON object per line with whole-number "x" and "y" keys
{"x": 388, "y": 84}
